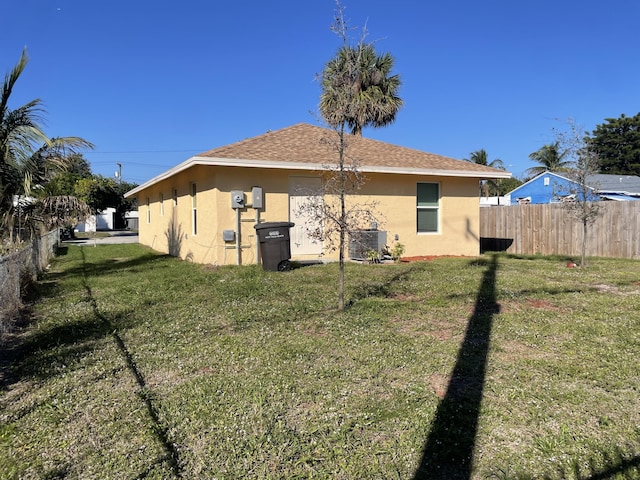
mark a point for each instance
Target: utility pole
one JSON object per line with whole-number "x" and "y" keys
{"x": 119, "y": 172}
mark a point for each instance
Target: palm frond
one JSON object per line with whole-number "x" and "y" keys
{"x": 29, "y": 158}
{"x": 63, "y": 210}
{"x": 551, "y": 158}
{"x": 10, "y": 80}
{"x": 358, "y": 89}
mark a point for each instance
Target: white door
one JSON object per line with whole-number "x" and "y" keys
{"x": 303, "y": 192}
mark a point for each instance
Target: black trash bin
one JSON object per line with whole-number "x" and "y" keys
{"x": 275, "y": 246}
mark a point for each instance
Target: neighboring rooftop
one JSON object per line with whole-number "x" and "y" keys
{"x": 625, "y": 184}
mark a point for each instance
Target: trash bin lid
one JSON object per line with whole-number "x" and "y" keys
{"x": 260, "y": 226}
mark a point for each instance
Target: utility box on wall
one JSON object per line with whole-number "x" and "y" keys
{"x": 256, "y": 198}
{"x": 237, "y": 199}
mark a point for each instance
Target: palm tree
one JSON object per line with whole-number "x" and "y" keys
{"x": 28, "y": 158}
{"x": 359, "y": 90}
{"x": 551, "y": 159}
{"x": 19, "y": 130}
{"x": 27, "y": 186}
{"x": 487, "y": 187}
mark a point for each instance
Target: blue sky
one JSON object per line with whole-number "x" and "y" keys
{"x": 152, "y": 83}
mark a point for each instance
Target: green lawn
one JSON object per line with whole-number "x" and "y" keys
{"x": 137, "y": 365}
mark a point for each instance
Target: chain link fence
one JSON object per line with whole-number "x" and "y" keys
{"x": 20, "y": 269}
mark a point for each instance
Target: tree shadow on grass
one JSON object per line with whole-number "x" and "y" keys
{"x": 102, "y": 267}
{"x": 377, "y": 289}
{"x": 160, "y": 430}
{"x": 51, "y": 351}
{"x": 449, "y": 448}
{"x": 616, "y": 465}
{"x": 47, "y": 351}
{"x": 613, "y": 463}
{"x": 448, "y": 451}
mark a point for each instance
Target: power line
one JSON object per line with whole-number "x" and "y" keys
{"x": 150, "y": 151}
{"x": 125, "y": 162}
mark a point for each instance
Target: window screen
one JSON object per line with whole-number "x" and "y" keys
{"x": 428, "y": 206}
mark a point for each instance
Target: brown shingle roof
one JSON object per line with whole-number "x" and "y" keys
{"x": 304, "y": 143}
{"x": 308, "y": 147}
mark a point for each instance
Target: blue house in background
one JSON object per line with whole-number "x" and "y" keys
{"x": 549, "y": 187}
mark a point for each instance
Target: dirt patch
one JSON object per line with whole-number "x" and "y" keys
{"x": 541, "y": 305}
{"x": 528, "y": 304}
{"x": 444, "y": 334}
{"x": 314, "y": 331}
{"x": 514, "y": 351}
{"x": 439, "y": 384}
{"x": 438, "y": 329}
{"x": 410, "y": 327}
{"x": 604, "y": 288}
{"x": 403, "y": 297}
{"x": 167, "y": 378}
{"x": 299, "y": 417}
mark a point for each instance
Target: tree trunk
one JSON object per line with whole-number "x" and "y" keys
{"x": 341, "y": 276}
{"x": 343, "y": 222}
{"x": 584, "y": 243}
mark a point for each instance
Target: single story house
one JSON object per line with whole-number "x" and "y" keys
{"x": 550, "y": 187}
{"x": 205, "y": 208}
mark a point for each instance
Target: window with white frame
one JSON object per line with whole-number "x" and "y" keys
{"x": 161, "y": 204}
{"x": 148, "y": 210}
{"x": 194, "y": 207}
{"x": 428, "y": 207}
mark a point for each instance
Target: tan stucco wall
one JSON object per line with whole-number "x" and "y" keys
{"x": 458, "y": 220}
{"x": 395, "y": 196}
{"x": 214, "y": 212}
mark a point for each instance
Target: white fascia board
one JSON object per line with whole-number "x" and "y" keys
{"x": 434, "y": 172}
{"x": 605, "y": 191}
{"x": 234, "y": 162}
{"x": 163, "y": 176}
{"x": 229, "y": 162}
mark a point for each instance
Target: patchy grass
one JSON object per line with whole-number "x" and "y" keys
{"x": 137, "y": 365}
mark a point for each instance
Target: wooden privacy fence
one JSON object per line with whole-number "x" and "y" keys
{"x": 551, "y": 229}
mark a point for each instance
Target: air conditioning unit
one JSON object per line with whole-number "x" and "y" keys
{"x": 363, "y": 241}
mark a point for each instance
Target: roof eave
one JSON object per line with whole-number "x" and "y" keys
{"x": 235, "y": 162}
{"x": 163, "y": 176}
{"x": 436, "y": 172}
